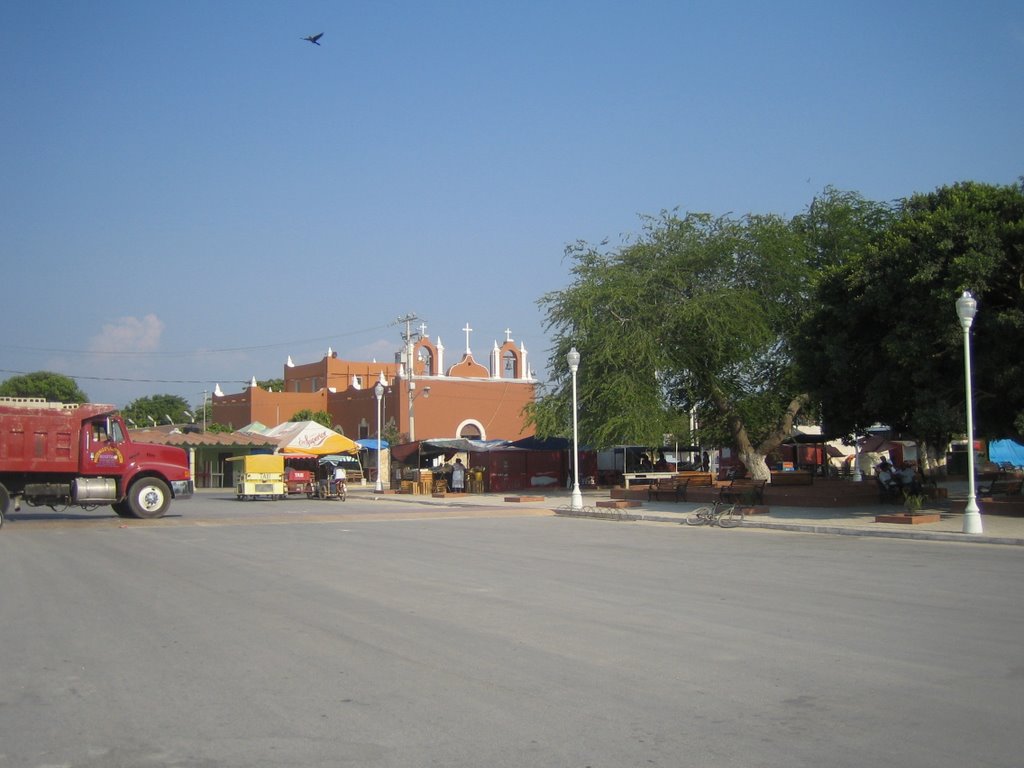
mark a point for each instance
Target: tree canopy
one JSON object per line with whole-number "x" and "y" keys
{"x": 55, "y": 387}
{"x": 884, "y": 343}
{"x": 322, "y": 418}
{"x": 694, "y": 315}
{"x": 157, "y": 409}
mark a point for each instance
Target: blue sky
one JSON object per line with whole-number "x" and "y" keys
{"x": 190, "y": 192}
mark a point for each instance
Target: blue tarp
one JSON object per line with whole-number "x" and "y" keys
{"x": 1006, "y": 451}
{"x": 371, "y": 443}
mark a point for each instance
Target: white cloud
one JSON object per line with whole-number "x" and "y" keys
{"x": 382, "y": 350}
{"x": 129, "y": 334}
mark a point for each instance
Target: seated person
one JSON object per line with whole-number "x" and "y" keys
{"x": 340, "y": 478}
{"x": 885, "y": 476}
{"x": 907, "y": 478}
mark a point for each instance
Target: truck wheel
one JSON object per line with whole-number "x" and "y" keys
{"x": 149, "y": 497}
{"x": 123, "y": 509}
{"x": 5, "y": 504}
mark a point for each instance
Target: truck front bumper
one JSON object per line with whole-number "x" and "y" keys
{"x": 182, "y": 489}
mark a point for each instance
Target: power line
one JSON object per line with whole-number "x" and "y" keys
{"x": 137, "y": 381}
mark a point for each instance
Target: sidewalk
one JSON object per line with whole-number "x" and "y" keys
{"x": 855, "y": 521}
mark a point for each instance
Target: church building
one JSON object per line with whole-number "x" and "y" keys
{"x": 422, "y": 393}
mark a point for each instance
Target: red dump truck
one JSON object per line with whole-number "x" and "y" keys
{"x": 59, "y": 455}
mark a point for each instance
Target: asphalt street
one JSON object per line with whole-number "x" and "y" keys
{"x": 461, "y": 633}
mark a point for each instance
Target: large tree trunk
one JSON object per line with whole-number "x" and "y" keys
{"x": 757, "y": 465}
{"x": 754, "y": 458}
{"x": 932, "y": 462}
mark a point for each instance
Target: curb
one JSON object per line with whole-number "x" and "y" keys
{"x": 961, "y": 538}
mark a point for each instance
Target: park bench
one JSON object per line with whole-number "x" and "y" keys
{"x": 891, "y": 493}
{"x": 672, "y": 487}
{"x": 698, "y": 480}
{"x": 677, "y": 486}
{"x": 743, "y": 489}
{"x": 1006, "y": 487}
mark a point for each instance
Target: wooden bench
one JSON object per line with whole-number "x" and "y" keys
{"x": 674, "y": 487}
{"x": 743, "y": 490}
{"x": 1008, "y": 487}
{"x": 697, "y": 480}
{"x": 678, "y": 485}
{"x": 891, "y": 493}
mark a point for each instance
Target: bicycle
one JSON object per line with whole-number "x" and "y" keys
{"x": 720, "y": 513}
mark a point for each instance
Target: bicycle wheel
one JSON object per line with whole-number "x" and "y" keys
{"x": 699, "y": 516}
{"x": 730, "y": 517}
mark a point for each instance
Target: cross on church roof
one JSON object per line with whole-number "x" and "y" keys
{"x": 423, "y": 329}
{"x": 468, "y": 330}
{"x": 508, "y": 334}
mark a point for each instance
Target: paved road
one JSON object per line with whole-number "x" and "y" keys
{"x": 463, "y": 639}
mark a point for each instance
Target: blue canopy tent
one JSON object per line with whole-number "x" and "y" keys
{"x": 1006, "y": 452}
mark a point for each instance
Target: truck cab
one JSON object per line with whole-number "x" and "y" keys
{"x": 60, "y": 455}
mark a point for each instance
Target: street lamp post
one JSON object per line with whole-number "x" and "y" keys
{"x": 573, "y": 359}
{"x": 378, "y": 390}
{"x": 966, "y": 309}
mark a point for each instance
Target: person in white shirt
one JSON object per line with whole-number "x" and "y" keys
{"x": 907, "y": 478}
{"x": 885, "y": 476}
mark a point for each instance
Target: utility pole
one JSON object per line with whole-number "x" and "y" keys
{"x": 410, "y": 337}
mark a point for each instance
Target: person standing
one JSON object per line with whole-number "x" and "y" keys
{"x": 458, "y": 477}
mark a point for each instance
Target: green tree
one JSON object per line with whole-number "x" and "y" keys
{"x": 155, "y": 409}
{"x": 885, "y": 343}
{"x": 277, "y": 385}
{"x": 696, "y": 314}
{"x": 54, "y": 387}
{"x": 306, "y": 414}
{"x": 840, "y": 229}
{"x": 392, "y": 435}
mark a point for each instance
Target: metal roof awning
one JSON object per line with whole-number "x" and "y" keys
{"x": 447, "y": 446}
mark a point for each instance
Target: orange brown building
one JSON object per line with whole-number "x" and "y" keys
{"x": 432, "y": 398}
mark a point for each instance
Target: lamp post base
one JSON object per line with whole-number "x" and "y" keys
{"x": 577, "y": 497}
{"x": 972, "y": 517}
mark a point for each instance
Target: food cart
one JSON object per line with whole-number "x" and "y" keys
{"x": 262, "y": 477}
{"x": 297, "y": 480}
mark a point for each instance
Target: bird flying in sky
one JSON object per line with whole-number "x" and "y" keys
{"x": 314, "y": 38}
